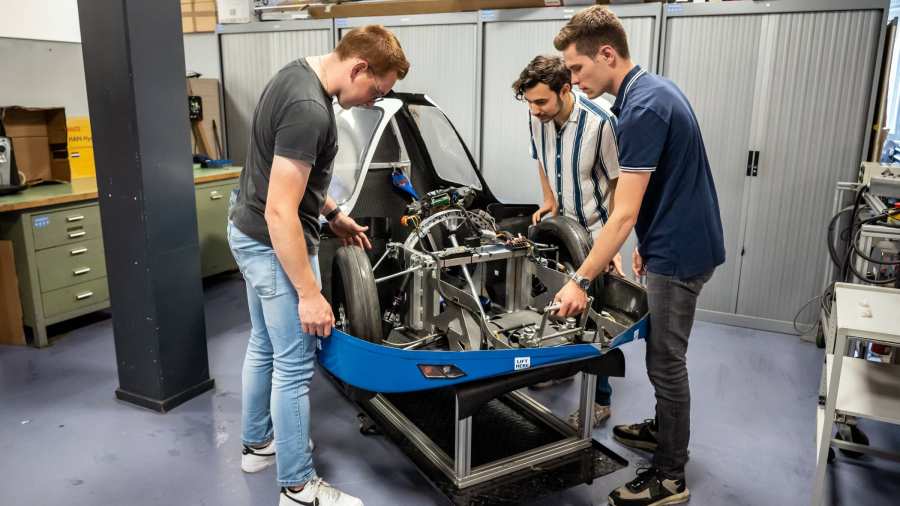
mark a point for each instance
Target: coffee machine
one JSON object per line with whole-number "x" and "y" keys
{"x": 10, "y": 180}
{"x": 6, "y": 169}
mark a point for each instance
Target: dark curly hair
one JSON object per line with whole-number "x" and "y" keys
{"x": 549, "y": 70}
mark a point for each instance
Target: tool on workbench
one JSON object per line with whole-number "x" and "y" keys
{"x": 219, "y": 152}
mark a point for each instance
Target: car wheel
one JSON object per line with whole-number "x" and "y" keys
{"x": 574, "y": 243}
{"x": 355, "y": 296}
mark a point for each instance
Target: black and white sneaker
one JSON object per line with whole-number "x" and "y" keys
{"x": 650, "y": 488}
{"x": 638, "y": 435}
{"x": 317, "y": 492}
{"x": 254, "y": 460}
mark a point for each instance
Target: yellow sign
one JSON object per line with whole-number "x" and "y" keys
{"x": 81, "y": 147}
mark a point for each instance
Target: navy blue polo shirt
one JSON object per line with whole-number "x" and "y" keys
{"x": 679, "y": 229}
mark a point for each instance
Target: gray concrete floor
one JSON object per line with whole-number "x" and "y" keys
{"x": 64, "y": 439}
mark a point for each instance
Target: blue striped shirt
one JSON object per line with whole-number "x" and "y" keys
{"x": 580, "y": 159}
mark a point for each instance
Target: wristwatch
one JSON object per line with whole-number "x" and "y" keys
{"x": 333, "y": 214}
{"x": 582, "y": 282}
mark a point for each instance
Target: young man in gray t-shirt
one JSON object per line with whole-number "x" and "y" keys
{"x": 273, "y": 231}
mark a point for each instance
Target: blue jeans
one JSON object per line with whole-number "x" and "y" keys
{"x": 279, "y": 362}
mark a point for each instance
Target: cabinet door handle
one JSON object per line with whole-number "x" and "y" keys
{"x": 75, "y": 235}
{"x": 215, "y": 195}
{"x": 84, "y": 295}
{"x": 78, "y": 251}
{"x": 73, "y": 219}
{"x": 81, "y": 271}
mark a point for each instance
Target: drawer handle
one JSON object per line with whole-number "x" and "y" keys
{"x": 215, "y": 195}
{"x": 75, "y": 235}
{"x": 84, "y": 295}
{"x": 73, "y": 219}
{"x": 81, "y": 271}
{"x": 78, "y": 251}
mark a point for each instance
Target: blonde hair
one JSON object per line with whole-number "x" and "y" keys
{"x": 376, "y": 45}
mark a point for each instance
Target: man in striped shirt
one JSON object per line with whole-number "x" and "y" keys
{"x": 574, "y": 142}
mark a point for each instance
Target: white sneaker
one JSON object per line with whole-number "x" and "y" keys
{"x": 317, "y": 493}
{"x": 254, "y": 460}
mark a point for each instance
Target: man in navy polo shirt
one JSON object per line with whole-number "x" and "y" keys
{"x": 666, "y": 193}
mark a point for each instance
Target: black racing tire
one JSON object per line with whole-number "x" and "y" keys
{"x": 568, "y": 235}
{"x": 574, "y": 243}
{"x": 353, "y": 287}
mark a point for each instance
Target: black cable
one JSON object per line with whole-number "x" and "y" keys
{"x": 864, "y": 277}
{"x": 874, "y": 260}
{"x": 854, "y": 250}
{"x": 874, "y": 219}
{"x": 830, "y": 236}
{"x": 826, "y": 299}
{"x": 845, "y": 268}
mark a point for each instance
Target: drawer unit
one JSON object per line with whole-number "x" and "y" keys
{"x": 75, "y": 297}
{"x": 64, "y": 227}
{"x": 70, "y": 264}
{"x": 212, "y": 220}
{"x": 60, "y": 259}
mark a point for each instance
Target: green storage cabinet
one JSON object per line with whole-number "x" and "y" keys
{"x": 212, "y": 219}
{"x": 65, "y": 226}
{"x": 60, "y": 261}
{"x": 71, "y": 264}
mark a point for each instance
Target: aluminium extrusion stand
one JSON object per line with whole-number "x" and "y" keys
{"x": 485, "y": 442}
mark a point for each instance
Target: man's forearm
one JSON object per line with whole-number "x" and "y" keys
{"x": 546, "y": 191}
{"x": 289, "y": 244}
{"x": 612, "y": 196}
{"x": 610, "y": 239}
{"x": 328, "y": 206}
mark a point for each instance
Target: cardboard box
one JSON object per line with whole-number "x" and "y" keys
{"x": 204, "y": 24}
{"x": 198, "y": 16}
{"x": 33, "y": 158}
{"x": 208, "y": 91}
{"x": 205, "y": 6}
{"x": 39, "y": 140}
{"x": 11, "y": 327}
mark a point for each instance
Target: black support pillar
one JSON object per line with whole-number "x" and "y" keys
{"x": 134, "y": 67}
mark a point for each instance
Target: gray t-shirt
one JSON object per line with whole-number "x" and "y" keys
{"x": 294, "y": 119}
